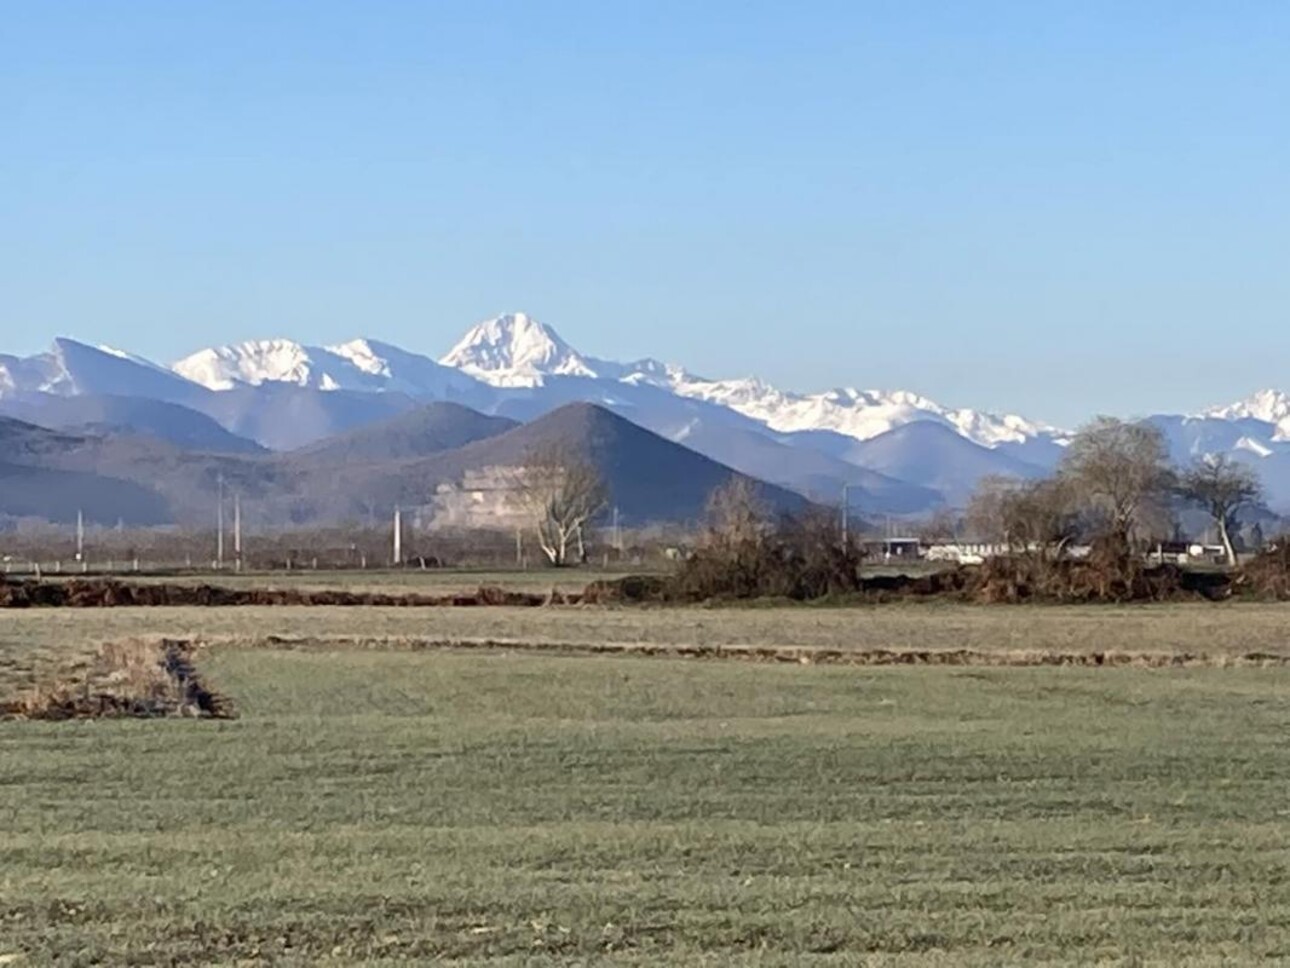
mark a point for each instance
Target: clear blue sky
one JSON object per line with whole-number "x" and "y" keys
{"x": 1052, "y": 208}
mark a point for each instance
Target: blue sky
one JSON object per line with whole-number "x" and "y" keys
{"x": 1055, "y": 208}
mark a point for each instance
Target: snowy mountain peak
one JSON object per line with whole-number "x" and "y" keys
{"x": 71, "y": 368}
{"x": 516, "y": 350}
{"x": 253, "y": 362}
{"x": 1270, "y": 406}
{"x": 125, "y": 355}
{"x": 399, "y": 370}
{"x": 861, "y": 414}
{"x": 368, "y": 355}
{"x": 365, "y": 365}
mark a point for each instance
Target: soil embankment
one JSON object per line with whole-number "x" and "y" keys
{"x": 110, "y": 593}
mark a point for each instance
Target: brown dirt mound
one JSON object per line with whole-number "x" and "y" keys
{"x": 109, "y": 593}
{"x": 125, "y": 679}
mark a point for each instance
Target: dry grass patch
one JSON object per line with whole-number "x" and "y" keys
{"x": 35, "y": 641}
{"x": 134, "y": 678}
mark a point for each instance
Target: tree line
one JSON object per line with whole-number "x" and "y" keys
{"x": 1114, "y": 485}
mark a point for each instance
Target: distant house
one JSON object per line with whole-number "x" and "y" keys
{"x": 893, "y": 549}
{"x": 975, "y": 552}
{"x": 1187, "y": 552}
{"x": 964, "y": 552}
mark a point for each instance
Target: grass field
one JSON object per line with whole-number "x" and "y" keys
{"x": 33, "y": 640}
{"x": 383, "y": 806}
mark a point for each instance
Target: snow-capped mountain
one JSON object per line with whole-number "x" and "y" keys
{"x": 515, "y": 350}
{"x": 406, "y": 372}
{"x": 256, "y": 362}
{"x": 1268, "y": 406}
{"x": 284, "y": 394}
{"x": 516, "y": 366}
{"x": 362, "y": 364}
{"x": 518, "y": 351}
{"x": 70, "y": 368}
{"x": 861, "y": 414}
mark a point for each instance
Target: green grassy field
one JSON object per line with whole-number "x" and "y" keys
{"x": 376, "y": 806}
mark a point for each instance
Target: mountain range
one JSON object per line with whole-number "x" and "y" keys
{"x": 444, "y": 463}
{"x": 279, "y": 403}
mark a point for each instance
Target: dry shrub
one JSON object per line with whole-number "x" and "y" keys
{"x": 135, "y": 678}
{"x": 492, "y": 595}
{"x": 802, "y": 564}
{"x": 632, "y": 589}
{"x": 1108, "y": 575}
{"x": 1267, "y": 575}
{"x": 800, "y": 558}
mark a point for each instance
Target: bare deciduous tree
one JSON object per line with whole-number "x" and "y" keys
{"x": 744, "y": 554}
{"x": 941, "y": 528}
{"x": 1222, "y": 487}
{"x": 1036, "y": 518}
{"x": 1119, "y": 469}
{"x": 986, "y": 516}
{"x": 736, "y": 513}
{"x": 1045, "y": 516}
{"x": 561, "y": 492}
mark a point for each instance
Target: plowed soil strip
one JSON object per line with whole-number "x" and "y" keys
{"x": 791, "y": 654}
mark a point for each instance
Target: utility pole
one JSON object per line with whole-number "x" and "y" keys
{"x": 237, "y": 531}
{"x": 519, "y": 547}
{"x": 398, "y": 536}
{"x": 219, "y": 526}
{"x": 80, "y": 535}
{"x": 618, "y": 534}
{"x": 846, "y": 512}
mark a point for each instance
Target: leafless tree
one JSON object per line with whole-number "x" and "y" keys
{"x": 561, "y": 492}
{"x": 986, "y": 515}
{"x": 1119, "y": 469}
{"x": 1045, "y": 516}
{"x": 1222, "y": 487}
{"x": 942, "y": 527}
{"x": 1037, "y": 518}
{"x": 736, "y": 514}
